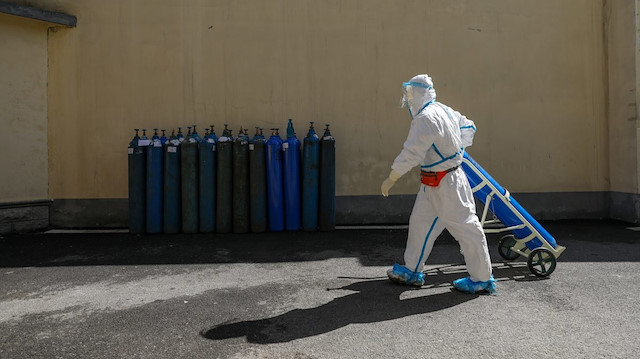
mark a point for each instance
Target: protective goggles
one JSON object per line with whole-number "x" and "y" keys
{"x": 416, "y": 84}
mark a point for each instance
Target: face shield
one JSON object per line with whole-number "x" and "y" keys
{"x": 407, "y": 95}
{"x": 415, "y": 96}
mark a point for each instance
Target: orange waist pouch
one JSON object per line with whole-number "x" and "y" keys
{"x": 433, "y": 179}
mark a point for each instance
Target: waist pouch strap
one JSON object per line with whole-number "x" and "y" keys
{"x": 433, "y": 179}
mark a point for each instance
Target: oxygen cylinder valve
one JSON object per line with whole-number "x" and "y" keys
{"x": 290, "y": 130}
{"x": 245, "y": 132}
{"x": 257, "y": 128}
{"x": 136, "y": 129}
{"x": 194, "y": 129}
{"x": 189, "y": 132}
{"x": 225, "y": 132}
{"x": 179, "y": 130}
{"x": 163, "y": 139}
{"x": 312, "y": 130}
{"x": 261, "y": 131}
{"x": 173, "y": 132}
{"x": 144, "y": 132}
{"x": 211, "y": 132}
{"x": 155, "y": 132}
{"x": 327, "y": 132}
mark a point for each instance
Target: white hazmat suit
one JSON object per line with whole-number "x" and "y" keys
{"x": 437, "y": 139}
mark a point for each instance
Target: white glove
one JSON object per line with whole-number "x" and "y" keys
{"x": 389, "y": 182}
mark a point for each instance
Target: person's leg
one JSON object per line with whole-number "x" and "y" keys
{"x": 457, "y": 209}
{"x": 474, "y": 248}
{"x": 424, "y": 228}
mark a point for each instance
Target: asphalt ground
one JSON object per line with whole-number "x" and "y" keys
{"x": 311, "y": 295}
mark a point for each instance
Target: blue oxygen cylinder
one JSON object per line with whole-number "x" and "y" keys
{"x": 310, "y": 180}
{"x": 275, "y": 195}
{"x": 171, "y": 206}
{"x": 137, "y": 158}
{"x": 163, "y": 138}
{"x": 207, "y": 182}
{"x": 213, "y": 137}
{"x": 155, "y": 191}
{"x": 327, "y": 199}
{"x": 224, "y": 200}
{"x": 291, "y": 165}
{"x": 241, "y": 183}
{"x": 258, "y": 182}
{"x": 189, "y": 181}
{"x": 180, "y": 136}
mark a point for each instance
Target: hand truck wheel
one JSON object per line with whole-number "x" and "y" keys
{"x": 541, "y": 262}
{"x": 504, "y": 247}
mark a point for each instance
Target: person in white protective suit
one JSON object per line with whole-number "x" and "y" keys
{"x": 437, "y": 139}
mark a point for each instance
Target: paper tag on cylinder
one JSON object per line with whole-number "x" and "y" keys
{"x": 130, "y": 151}
{"x": 251, "y": 147}
{"x": 172, "y": 149}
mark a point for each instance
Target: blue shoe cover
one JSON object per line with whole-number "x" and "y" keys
{"x": 468, "y": 286}
{"x": 400, "y": 274}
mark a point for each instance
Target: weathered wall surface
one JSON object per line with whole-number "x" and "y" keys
{"x": 622, "y": 63}
{"x": 531, "y": 74}
{"x": 622, "y": 96}
{"x": 23, "y": 110}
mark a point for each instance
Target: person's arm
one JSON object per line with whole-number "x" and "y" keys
{"x": 467, "y": 129}
{"x": 418, "y": 141}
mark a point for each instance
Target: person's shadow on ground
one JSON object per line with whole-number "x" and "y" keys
{"x": 374, "y": 301}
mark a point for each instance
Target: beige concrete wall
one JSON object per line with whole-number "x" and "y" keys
{"x": 531, "y": 74}
{"x": 23, "y": 109}
{"x": 637, "y": 91}
{"x": 622, "y": 59}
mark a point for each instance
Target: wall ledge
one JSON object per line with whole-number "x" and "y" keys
{"x": 24, "y": 216}
{"x": 378, "y": 210}
{"x": 33, "y": 13}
